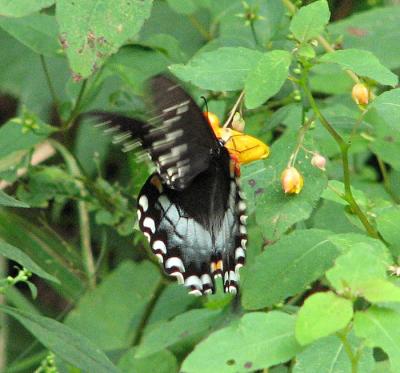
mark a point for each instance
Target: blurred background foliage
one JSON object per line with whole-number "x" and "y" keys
{"x": 80, "y": 288}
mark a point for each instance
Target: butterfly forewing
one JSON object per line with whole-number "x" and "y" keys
{"x": 180, "y": 142}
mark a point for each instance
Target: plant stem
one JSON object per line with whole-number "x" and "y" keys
{"x": 49, "y": 83}
{"x": 349, "y": 351}
{"x": 233, "y": 111}
{"x": 83, "y": 214}
{"x": 75, "y": 111}
{"x": 147, "y": 312}
{"x": 253, "y": 31}
{"x": 344, "y": 150}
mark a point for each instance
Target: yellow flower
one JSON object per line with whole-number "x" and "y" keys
{"x": 360, "y": 94}
{"x": 292, "y": 181}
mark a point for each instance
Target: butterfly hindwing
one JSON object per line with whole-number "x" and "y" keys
{"x": 193, "y": 252}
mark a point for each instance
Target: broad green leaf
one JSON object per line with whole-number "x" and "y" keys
{"x": 22, "y": 134}
{"x": 38, "y": 32}
{"x": 224, "y": 69}
{"x": 336, "y": 189}
{"x": 6, "y": 200}
{"x": 20, "y": 8}
{"x": 119, "y": 301}
{"x": 296, "y": 260}
{"x": 380, "y": 327}
{"x": 363, "y": 63}
{"x": 135, "y": 65}
{"x": 161, "y": 362}
{"x": 355, "y": 268}
{"x": 310, "y": 20}
{"x": 275, "y": 211}
{"x": 374, "y": 30}
{"x": 380, "y": 291}
{"x": 15, "y": 254}
{"x": 47, "y": 249}
{"x": 328, "y": 355}
{"x": 388, "y": 223}
{"x": 346, "y": 241}
{"x": 322, "y": 314}
{"x": 267, "y": 78}
{"x": 256, "y": 341}
{"x": 22, "y": 76}
{"x": 173, "y": 301}
{"x": 183, "y": 6}
{"x": 387, "y": 106}
{"x": 187, "y": 325}
{"x": 64, "y": 342}
{"x": 92, "y": 30}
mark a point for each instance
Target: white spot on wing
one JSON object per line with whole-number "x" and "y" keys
{"x": 179, "y": 277}
{"x": 175, "y": 262}
{"x": 144, "y": 203}
{"x": 149, "y": 223}
{"x": 241, "y": 206}
{"x": 159, "y": 246}
{"x": 239, "y": 253}
{"x": 193, "y": 281}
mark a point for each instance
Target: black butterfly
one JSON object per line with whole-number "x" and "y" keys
{"x": 191, "y": 210}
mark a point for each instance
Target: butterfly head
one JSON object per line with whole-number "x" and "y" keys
{"x": 242, "y": 148}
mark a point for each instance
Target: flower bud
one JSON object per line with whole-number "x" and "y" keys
{"x": 318, "y": 161}
{"x": 292, "y": 181}
{"x": 360, "y": 94}
{"x": 238, "y": 122}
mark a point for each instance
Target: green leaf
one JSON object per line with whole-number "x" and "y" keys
{"x": 64, "y": 342}
{"x": 187, "y": 325}
{"x": 336, "y": 188}
{"x": 183, "y": 6}
{"x": 388, "y": 223}
{"x": 92, "y": 30}
{"x": 328, "y": 355}
{"x": 267, "y": 78}
{"x": 22, "y": 134}
{"x": 38, "y": 32}
{"x": 161, "y": 362}
{"x": 114, "y": 323}
{"x": 380, "y": 327}
{"x": 24, "y": 260}
{"x": 6, "y": 200}
{"x": 47, "y": 249}
{"x": 353, "y": 269}
{"x": 367, "y": 30}
{"x": 363, "y": 63}
{"x": 380, "y": 291}
{"x": 296, "y": 260}
{"x": 224, "y": 69}
{"x": 275, "y": 211}
{"x": 20, "y": 8}
{"x": 310, "y": 20}
{"x": 256, "y": 341}
{"x": 321, "y": 315}
{"x": 387, "y": 106}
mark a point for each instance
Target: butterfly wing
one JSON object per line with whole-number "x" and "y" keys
{"x": 181, "y": 142}
{"x": 198, "y": 234}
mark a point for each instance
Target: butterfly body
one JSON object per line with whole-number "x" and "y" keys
{"x": 191, "y": 210}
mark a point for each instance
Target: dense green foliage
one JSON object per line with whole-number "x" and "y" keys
{"x": 320, "y": 290}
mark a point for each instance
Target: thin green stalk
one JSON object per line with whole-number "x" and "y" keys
{"x": 148, "y": 311}
{"x": 83, "y": 214}
{"x": 27, "y": 363}
{"x": 75, "y": 111}
{"x": 349, "y": 351}
{"x": 344, "y": 150}
{"x": 253, "y": 31}
{"x": 49, "y": 83}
